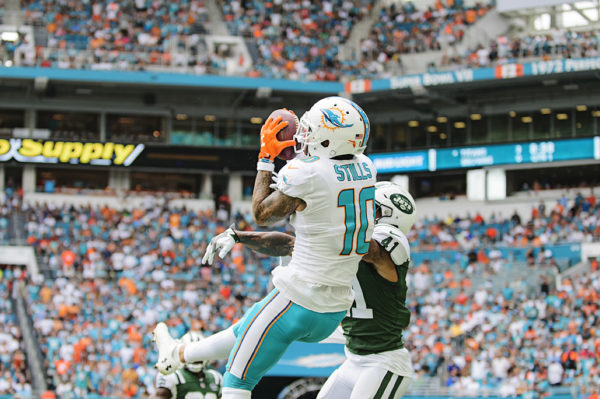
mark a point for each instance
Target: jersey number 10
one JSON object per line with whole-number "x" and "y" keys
{"x": 347, "y": 200}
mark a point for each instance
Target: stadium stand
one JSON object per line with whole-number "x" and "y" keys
{"x": 131, "y": 35}
{"x": 559, "y": 44}
{"x": 118, "y": 272}
{"x": 404, "y": 28}
{"x": 289, "y": 40}
{"x": 297, "y": 40}
{"x": 14, "y": 374}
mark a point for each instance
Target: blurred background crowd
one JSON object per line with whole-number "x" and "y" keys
{"x": 482, "y": 323}
{"x": 294, "y": 40}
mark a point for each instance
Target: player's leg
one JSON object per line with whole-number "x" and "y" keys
{"x": 264, "y": 334}
{"x": 379, "y": 383}
{"x": 340, "y": 383}
{"x": 216, "y": 347}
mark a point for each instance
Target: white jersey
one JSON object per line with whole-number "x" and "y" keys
{"x": 332, "y": 232}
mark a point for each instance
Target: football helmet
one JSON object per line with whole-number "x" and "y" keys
{"x": 333, "y": 126}
{"x": 396, "y": 205}
{"x": 189, "y": 338}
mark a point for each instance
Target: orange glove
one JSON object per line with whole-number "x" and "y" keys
{"x": 270, "y": 146}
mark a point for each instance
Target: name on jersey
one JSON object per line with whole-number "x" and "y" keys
{"x": 353, "y": 172}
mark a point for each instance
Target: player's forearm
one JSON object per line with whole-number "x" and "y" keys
{"x": 270, "y": 206}
{"x": 267, "y": 243}
{"x": 260, "y": 212}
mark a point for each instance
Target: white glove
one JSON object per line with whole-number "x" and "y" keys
{"x": 275, "y": 179}
{"x": 221, "y": 244}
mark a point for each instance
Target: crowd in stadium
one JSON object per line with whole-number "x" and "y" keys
{"x": 14, "y": 374}
{"x": 566, "y": 220}
{"x": 297, "y": 40}
{"x": 98, "y": 242}
{"x": 120, "y": 272}
{"x": 95, "y": 324}
{"x": 402, "y": 28}
{"x": 124, "y": 34}
{"x": 507, "y": 341}
{"x": 503, "y": 50}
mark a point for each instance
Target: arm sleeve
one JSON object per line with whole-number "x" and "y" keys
{"x": 168, "y": 382}
{"x": 296, "y": 180}
{"x": 218, "y": 380}
{"x": 394, "y": 241}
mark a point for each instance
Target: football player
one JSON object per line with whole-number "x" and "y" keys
{"x": 194, "y": 380}
{"x": 377, "y": 364}
{"x": 330, "y": 191}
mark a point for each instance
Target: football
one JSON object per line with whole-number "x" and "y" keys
{"x": 287, "y": 133}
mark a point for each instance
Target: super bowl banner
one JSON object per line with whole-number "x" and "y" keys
{"x": 71, "y": 152}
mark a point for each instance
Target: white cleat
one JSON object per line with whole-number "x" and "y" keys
{"x": 168, "y": 350}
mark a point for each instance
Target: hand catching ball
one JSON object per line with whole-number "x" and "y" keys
{"x": 287, "y": 133}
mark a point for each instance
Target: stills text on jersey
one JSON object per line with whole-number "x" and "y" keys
{"x": 353, "y": 171}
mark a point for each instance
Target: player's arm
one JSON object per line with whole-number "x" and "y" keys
{"x": 388, "y": 247}
{"x": 166, "y": 386}
{"x": 268, "y": 243}
{"x": 270, "y": 206}
{"x": 162, "y": 393}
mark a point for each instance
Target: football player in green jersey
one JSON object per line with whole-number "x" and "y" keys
{"x": 193, "y": 381}
{"x": 377, "y": 365}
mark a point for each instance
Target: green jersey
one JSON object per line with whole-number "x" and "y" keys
{"x": 184, "y": 384}
{"x": 378, "y": 315}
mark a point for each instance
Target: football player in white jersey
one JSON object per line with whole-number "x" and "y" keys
{"x": 330, "y": 193}
{"x": 377, "y": 365}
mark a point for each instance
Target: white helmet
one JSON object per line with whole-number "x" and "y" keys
{"x": 333, "y": 126}
{"x": 396, "y": 204}
{"x": 189, "y": 338}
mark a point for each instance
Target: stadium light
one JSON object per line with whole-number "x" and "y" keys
{"x": 256, "y": 120}
{"x": 443, "y": 136}
{"x": 562, "y": 117}
{"x": 9, "y": 36}
{"x": 596, "y": 114}
{"x": 181, "y": 117}
{"x": 442, "y": 119}
{"x": 526, "y": 119}
{"x": 512, "y": 114}
{"x": 210, "y": 118}
{"x": 432, "y": 129}
{"x": 545, "y": 111}
{"x": 460, "y": 125}
{"x": 581, "y": 108}
{"x": 475, "y": 117}
{"x": 413, "y": 123}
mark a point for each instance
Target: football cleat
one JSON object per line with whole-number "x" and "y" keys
{"x": 168, "y": 350}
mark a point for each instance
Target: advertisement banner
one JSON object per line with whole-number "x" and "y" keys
{"x": 491, "y": 155}
{"x": 71, "y": 152}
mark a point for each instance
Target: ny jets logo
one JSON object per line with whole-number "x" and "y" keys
{"x": 402, "y": 203}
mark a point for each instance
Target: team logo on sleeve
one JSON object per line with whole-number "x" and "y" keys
{"x": 402, "y": 203}
{"x": 333, "y": 118}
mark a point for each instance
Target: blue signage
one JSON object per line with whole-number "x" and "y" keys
{"x": 507, "y": 71}
{"x": 309, "y": 360}
{"x": 490, "y": 155}
{"x": 401, "y": 162}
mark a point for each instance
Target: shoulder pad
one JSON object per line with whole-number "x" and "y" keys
{"x": 394, "y": 241}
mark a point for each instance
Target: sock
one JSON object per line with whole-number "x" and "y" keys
{"x": 216, "y": 347}
{"x": 234, "y": 393}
